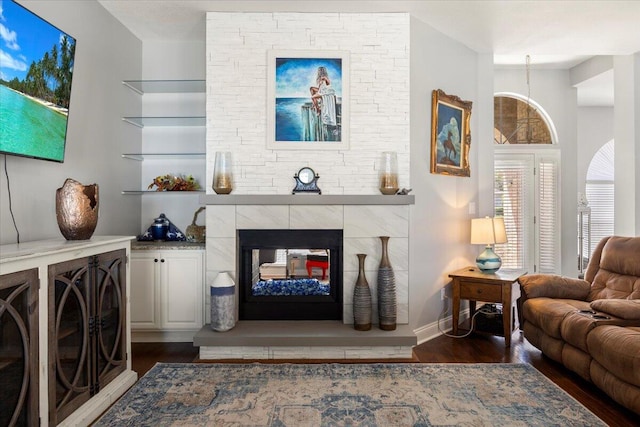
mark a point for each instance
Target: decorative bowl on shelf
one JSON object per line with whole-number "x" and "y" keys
{"x": 171, "y": 182}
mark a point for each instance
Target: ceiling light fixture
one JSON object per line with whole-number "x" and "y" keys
{"x": 530, "y": 120}
{"x": 518, "y": 122}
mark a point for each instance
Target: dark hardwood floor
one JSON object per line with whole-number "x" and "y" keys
{"x": 477, "y": 348}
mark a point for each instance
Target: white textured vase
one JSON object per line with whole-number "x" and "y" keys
{"x": 223, "y": 303}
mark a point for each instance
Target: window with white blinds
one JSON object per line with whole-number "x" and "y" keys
{"x": 548, "y": 230}
{"x": 601, "y": 201}
{"x": 513, "y": 188}
{"x": 599, "y": 191}
{"x": 526, "y": 194}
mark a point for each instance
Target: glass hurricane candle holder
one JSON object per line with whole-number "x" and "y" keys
{"x": 389, "y": 173}
{"x": 222, "y": 176}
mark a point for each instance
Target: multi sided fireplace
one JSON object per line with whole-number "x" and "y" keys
{"x": 290, "y": 274}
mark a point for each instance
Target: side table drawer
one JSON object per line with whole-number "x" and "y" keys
{"x": 482, "y": 292}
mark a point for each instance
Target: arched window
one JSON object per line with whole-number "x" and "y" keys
{"x": 526, "y": 181}
{"x": 519, "y": 120}
{"x": 599, "y": 191}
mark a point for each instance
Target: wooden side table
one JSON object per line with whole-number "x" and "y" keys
{"x": 501, "y": 287}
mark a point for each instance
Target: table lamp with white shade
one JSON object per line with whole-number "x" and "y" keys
{"x": 488, "y": 231}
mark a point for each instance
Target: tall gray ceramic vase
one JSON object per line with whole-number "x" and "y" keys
{"x": 387, "y": 307}
{"x": 361, "y": 299}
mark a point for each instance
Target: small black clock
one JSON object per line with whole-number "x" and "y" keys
{"x": 306, "y": 181}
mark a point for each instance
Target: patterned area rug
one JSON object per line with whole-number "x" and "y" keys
{"x": 346, "y": 395}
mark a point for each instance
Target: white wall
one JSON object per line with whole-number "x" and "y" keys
{"x": 106, "y": 53}
{"x": 595, "y": 129}
{"x": 237, "y": 46}
{"x": 599, "y": 125}
{"x": 552, "y": 90}
{"x": 440, "y": 219}
{"x": 626, "y": 70}
{"x": 484, "y": 142}
{"x": 636, "y": 126}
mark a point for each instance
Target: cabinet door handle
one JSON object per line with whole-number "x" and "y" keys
{"x": 155, "y": 260}
{"x": 162, "y": 260}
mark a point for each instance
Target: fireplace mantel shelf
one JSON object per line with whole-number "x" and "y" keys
{"x": 306, "y": 199}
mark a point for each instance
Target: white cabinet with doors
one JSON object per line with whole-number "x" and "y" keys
{"x": 65, "y": 350}
{"x": 166, "y": 294}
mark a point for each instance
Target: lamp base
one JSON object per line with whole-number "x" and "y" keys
{"x": 488, "y": 261}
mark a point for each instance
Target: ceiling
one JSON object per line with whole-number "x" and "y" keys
{"x": 556, "y": 33}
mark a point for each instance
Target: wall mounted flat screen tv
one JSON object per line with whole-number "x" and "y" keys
{"x": 36, "y": 70}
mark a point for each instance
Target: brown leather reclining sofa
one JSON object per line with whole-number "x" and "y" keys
{"x": 592, "y": 326}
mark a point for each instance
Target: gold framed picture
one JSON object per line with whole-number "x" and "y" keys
{"x": 450, "y": 134}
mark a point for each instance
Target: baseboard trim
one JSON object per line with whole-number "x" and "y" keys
{"x": 163, "y": 336}
{"x": 430, "y": 331}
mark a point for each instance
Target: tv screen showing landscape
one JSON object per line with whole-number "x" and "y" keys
{"x": 36, "y": 69}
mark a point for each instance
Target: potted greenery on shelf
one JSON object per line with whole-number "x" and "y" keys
{"x": 174, "y": 183}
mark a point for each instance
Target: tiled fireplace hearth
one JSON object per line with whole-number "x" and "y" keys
{"x": 362, "y": 219}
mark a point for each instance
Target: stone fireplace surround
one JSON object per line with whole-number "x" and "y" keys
{"x": 362, "y": 218}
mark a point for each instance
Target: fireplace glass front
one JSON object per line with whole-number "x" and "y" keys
{"x": 290, "y": 274}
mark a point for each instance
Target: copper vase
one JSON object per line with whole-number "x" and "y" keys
{"x": 389, "y": 173}
{"x": 77, "y": 209}
{"x": 222, "y": 176}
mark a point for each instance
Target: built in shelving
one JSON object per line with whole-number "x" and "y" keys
{"x": 163, "y": 156}
{"x": 164, "y": 193}
{"x": 143, "y": 87}
{"x": 165, "y": 121}
{"x": 165, "y": 86}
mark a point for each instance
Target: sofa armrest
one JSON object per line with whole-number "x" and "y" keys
{"x": 622, "y": 308}
{"x": 554, "y": 286}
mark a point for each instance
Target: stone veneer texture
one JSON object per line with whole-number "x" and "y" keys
{"x": 237, "y": 46}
